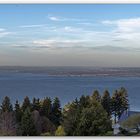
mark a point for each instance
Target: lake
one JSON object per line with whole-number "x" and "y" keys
{"x": 67, "y": 88}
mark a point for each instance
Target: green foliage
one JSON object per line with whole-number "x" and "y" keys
{"x": 86, "y": 116}
{"x": 86, "y": 121}
{"x": 56, "y": 112}
{"x": 71, "y": 115}
{"x": 119, "y": 102}
{"x": 27, "y": 124}
{"x": 18, "y": 112}
{"x": 96, "y": 96}
{"x": 60, "y": 131}
{"x": 94, "y": 121}
{"x": 46, "y": 107}
{"x": 35, "y": 104}
{"x": 26, "y": 103}
{"x": 84, "y": 101}
{"x": 109, "y": 133}
{"x": 106, "y": 102}
{"x": 6, "y": 105}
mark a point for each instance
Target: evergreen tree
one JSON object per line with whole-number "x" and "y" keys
{"x": 18, "y": 112}
{"x": 46, "y": 107}
{"x": 106, "y": 102}
{"x": 119, "y": 103}
{"x": 27, "y": 124}
{"x": 6, "y": 105}
{"x": 94, "y": 121}
{"x": 115, "y": 104}
{"x": 71, "y": 116}
{"x": 96, "y": 96}
{"x": 123, "y": 98}
{"x": 80, "y": 120}
{"x": 35, "y": 104}
{"x": 56, "y": 112}
{"x": 84, "y": 101}
{"x": 26, "y": 103}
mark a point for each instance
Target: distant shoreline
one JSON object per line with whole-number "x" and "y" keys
{"x": 74, "y": 71}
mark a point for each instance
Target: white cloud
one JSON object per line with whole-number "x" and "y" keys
{"x": 56, "y": 18}
{"x": 59, "y": 42}
{"x": 2, "y": 29}
{"x": 124, "y": 34}
{"x": 126, "y": 30}
{"x": 125, "y": 25}
{"x": 4, "y": 33}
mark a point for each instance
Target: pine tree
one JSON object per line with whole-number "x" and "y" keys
{"x": 96, "y": 96}
{"x": 56, "y": 112}
{"x": 6, "y": 105}
{"x": 84, "y": 101}
{"x": 123, "y": 96}
{"x": 46, "y": 107}
{"x": 119, "y": 103}
{"x": 106, "y": 102}
{"x": 71, "y": 117}
{"x": 27, "y": 124}
{"x": 93, "y": 121}
{"x": 35, "y": 104}
{"x": 26, "y": 103}
{"x": 18, "y": 112}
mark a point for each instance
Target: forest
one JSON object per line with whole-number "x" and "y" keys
{"x": 89, "y": 115}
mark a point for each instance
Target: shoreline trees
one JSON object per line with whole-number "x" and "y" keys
{"x": 86, "y": 116}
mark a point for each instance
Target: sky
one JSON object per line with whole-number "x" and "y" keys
{"x": 100, "y": 35}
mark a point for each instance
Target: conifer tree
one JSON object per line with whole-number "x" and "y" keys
{"x": 93, "y": 121}
{"x": 35, "y": 104}
{"x": 96, "y": 96}
{"x": 6, "y": 105}
{"x": 56, "y": 112}
{"x": 26, "y": 103}
{"x": 18, "y": 112}
{"x": 27, "y": 124}
{"x": 84, "y": 101}
{"x": 46, "y": 107}
{"x": 106, "y": 102}
{"x": 119, "y": 103}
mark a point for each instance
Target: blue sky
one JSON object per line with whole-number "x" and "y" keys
{"x": 70, "y": 35}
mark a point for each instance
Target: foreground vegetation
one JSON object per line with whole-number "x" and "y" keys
{"x": 86, "y": 116}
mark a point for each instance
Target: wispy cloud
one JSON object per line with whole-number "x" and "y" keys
{"x": 59, "y": 42}
{"x": 127, "y": 31}
{"x": 57, "y": 18}
{"x": 53, "y": 18}
{"x": 2, "y": 29}
{"x": 4, "y": 32}
{"x": 125, "y": 25}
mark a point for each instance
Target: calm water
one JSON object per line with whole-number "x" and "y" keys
{"x": 19, "y": 85}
